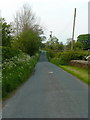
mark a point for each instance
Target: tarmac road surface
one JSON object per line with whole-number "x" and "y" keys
{"x": 49, "y": 93}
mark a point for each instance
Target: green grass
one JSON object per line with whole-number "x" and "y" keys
{"x": 80, "y": 73}
{"x": 62, "y": 60}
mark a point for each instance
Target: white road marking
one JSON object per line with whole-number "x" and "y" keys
{"x": 51, "y": 72}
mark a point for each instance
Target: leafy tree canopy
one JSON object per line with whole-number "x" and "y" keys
{"x": 85, "y": 40}
{"x": 6, "y": 32}
{"x": 28, "y": 41}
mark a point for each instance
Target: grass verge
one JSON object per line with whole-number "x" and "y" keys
{"x": 80, "y": 73}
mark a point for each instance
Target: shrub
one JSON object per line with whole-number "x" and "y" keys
{"x": 71, "y": 55}
{"x": 29, "y": 42}
{"x": 58, "y": 54}
{"x": 55, "y": 61}
{"x": 51, "y": 54}
{"x": 64, "y": 58}
{"x": 16, "y": 71}
{"x": 8, "y": 53}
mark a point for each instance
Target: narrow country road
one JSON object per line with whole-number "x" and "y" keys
{"x": 49, "y": 93}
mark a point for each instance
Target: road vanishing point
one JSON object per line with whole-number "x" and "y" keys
{"x": 49, "y": 93}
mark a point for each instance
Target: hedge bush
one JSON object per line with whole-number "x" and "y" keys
{"x": 63, "y": 58}
{"x": 16, "y": 71}
{"x": 8, "y": 53}
{"x": 55, "y": 61}
{"x": 51, "y": 54}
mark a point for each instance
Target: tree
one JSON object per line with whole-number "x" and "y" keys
{"x": 24, "y": 20}
{"x": 78, "y": 46}
{"x": 84, "y": 39}
{"x": 29, "y": 41}
{"x": 68, "y": 45}
{"x": 68, "y": 41}
{"x": 6, "y": 33}
{"x": 43, "y": 38}
{"x": 28, "y": 33}
{"x": 61, "y": 46}
{"x": 54, "y": 44}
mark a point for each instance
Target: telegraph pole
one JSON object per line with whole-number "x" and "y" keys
{"x": 73, "y": 29}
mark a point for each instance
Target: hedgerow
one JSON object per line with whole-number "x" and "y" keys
{"x": 63, "y": 58}
{"x": 16, "y": 71}
{"x": 8, "y": 53}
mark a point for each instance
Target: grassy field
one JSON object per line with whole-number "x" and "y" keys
{"x": 80, "y": 73}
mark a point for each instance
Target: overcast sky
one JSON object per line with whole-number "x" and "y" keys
{"x": 53, "y": 15}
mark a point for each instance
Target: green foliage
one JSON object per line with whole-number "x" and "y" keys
{"x": 80, "y": 73}
{"x": 8, "y": 53}
{"x": 78, "y": 46}
{"x": 63, "y": 58}
{"x": 16, "y": 71}
{"x": 54, "y": 44}
{"x": 58, "y": 54}
{"x": 6, "y": 33}
{"x": 50, "y": 54}
{"x": 60, "y": 46}
{"x": 28, "y": 41}
{"x": 69, "y": 43}
{"x": 82, "y": 43}
{"x": 16, "y": 63}
{"x": 70, "y": 55}
{"x": 85, "y": 40}
{"x": 55, "y": 61}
